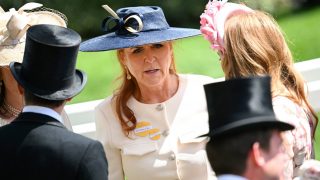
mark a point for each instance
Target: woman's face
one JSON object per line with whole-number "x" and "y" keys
{"x": 149, "y": 64}
{"x": 8, "y": 79}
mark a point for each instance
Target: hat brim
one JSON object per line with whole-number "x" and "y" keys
{"x": 112, "y": 41}
{"x": 12, "y": 50}
{"x": 78, "y": 84}
{"x": 267, "y": 122}
{"x": 11, "y": 53}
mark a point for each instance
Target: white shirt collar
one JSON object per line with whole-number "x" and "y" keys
{"x": 231, "y": 177}
{"x": 43, "y": 110}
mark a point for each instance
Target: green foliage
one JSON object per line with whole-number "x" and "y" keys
{"x": 303, "y": 33}
{"x": 85, "y": 16}
{"x": 275, "y": 7}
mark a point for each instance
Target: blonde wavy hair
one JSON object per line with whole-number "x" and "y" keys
{"x": 126, "y": 89}
{"x": 255, "y": 45}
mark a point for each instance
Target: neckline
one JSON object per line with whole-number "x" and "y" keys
{"x": 181, "y": 87}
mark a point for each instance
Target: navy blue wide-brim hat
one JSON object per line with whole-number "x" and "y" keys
{"x": 49, "y": 61}
{"x": 136, "y": 26}
{"x": 240, "y": 105}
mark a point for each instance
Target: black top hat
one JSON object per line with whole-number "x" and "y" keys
{"x": 136, "y": 26}
{"x": 48, "y": 66}
{"x": 241, "y": 104}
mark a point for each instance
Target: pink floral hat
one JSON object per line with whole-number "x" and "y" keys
{"x": 213, "y": 18}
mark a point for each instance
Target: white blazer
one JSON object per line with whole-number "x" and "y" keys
{"x": 166, "y": 143}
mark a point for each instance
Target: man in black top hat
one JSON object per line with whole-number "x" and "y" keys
{"x": 36, "y": 145}
{"x": 246, "y": 140}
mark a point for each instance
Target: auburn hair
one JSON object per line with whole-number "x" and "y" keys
{"x": 255, "y": 45}
{"x": 126, "y": 89}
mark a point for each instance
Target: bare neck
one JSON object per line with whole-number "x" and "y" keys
{"x": 158, "y": 93}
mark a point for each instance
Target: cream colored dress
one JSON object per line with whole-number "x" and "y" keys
{"x": 166, "y": 143}
{"x": 299, "y": 144}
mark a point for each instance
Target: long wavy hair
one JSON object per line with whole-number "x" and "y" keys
{"x": 255, "y": 45}
{"x": 126, "y": 89}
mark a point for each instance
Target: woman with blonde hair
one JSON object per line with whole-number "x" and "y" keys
{"x": 250, "y": 42}
{"x": 13, "y": 28}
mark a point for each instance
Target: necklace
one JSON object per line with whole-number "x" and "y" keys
{"x": 7, "y": 108}
{"x": 3, "y": 122}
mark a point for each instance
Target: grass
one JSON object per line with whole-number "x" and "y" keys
{"x": 194, "y": 56}
{"x": 303, "y": 30}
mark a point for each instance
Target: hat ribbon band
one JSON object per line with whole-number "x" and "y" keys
{"x": 17, "y": 26}
{"x": 132, "y": 23}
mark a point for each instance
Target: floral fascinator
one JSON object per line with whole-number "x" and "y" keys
{"x": 14, "y": 24}
{"x": 213, "y": 18}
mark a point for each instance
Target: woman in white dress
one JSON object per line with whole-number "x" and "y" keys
{"x": 150, "y": 126}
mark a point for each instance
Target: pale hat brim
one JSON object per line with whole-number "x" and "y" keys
{"x": 13, "y": 50}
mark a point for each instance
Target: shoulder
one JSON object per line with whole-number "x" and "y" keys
{"x": 106, "y": 103}
{"x": 289, "y": 111}
{"x": 285, "y": 105}
{"x": 197, "y": 78}
{"x": 108, "y": 126}
{"x": 105, "y": 112}
{"x": 81, "y": 144}
{"x": 76, "y": 139}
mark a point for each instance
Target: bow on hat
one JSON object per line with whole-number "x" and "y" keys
{"x": 131, "y": 23}
{"x": 14, "y": 24}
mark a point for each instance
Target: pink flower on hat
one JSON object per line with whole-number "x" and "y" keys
{"x": 208, "y": 28}
{"x": 213, "y": 18}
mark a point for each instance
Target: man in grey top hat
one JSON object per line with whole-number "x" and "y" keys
{"x": 246, "y": 140}
{"x": 40, "y": 147}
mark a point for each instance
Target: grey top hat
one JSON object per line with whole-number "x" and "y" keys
{"x": 242, "y": 104}
{"x": 49, "y": 61}
{"x": 136, "y": 26}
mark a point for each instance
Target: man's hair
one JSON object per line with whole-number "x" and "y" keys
{"x": 31, "y": 99}
{"x": 228, "y": 154}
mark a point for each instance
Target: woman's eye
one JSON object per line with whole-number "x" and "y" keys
{"x": 137, "y": 50}
{"x": 158, "y": 45}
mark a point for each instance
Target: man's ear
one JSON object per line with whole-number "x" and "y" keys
{"x": 257, "y": 154}
{"x": 21, "y": 89}
{"x": 69, "y": 99}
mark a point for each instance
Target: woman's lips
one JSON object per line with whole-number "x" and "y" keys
{"x": 151, "y": 71}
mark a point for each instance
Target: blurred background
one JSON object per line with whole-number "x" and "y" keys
{"x": 299, "y": 19}
{"x": 85, "y": 16}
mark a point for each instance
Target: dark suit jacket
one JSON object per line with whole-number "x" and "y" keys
{"x": 36, "y": 146}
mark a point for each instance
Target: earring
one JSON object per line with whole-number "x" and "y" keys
{"x": 127, "y": 73}
{"x": 171, "y": 67}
